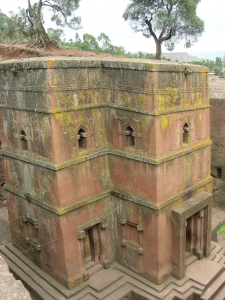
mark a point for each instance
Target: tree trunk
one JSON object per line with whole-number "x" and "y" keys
{"x": 158, "y": 54}
{"x": 42, "y": 37}
{"x": 34, "y": 18}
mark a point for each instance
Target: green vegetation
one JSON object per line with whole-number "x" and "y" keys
{"x": 102, "y": 44}
{"x": 221, "y": 229}
{"x": 16, "y": 28}
{"x": 62, "y": 13}
{"x": 28, "y": 24}
{"x": 217, "y": 66}
{"x": 56, "y": 35}
{"x": 167, "y": 21}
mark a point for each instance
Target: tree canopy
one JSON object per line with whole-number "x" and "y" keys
{"x": 56, "y": 34}
{"x": 167, "y": 21}
{"x": 14, "y": 27}
{"x": 62, "y": 13}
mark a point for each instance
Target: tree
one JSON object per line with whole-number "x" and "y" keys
{"x": 218, "y": 71}
{"x": 105, "y": 41}
{"x": 167, "y": 21}
{"x": 14, "y": 27}
{"x": 219, "y": 62}
{"x": 89, "y": 43}
{"x": 62, "y": 13}
{"x": 9, "y": 33}
{"x": 3, "y": 23}
{"x": 77, "y": 42}
{"x": 23, "y": 29}
{"x": 55, "y": 34}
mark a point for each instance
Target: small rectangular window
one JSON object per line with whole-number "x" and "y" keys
{"x": 23, "y": 141}
{"x": 82, "y": 141}
{"x": 129, "y": 137}
{"x": 185, "y": 133}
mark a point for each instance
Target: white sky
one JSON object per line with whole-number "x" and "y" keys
{"x": 106, "y": 16}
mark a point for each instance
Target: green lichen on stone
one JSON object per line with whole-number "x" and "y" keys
{"x": 67, "y": 124}
{"x": 151, "y": 67}
{"x": 165, "y": 122}
{"x": 168, "y": 98}
{"x": 64, "y": 100}
{"x": 142, "y": 99}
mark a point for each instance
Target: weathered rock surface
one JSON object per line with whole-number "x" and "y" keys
{"x": 10, "y": 288}
{"x": 217, "y": 99}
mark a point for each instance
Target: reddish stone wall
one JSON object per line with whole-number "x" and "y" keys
{"x": 218, "y": 154}
{"x": 2, "y": 179}
{"x": 217, "y": 99}
{"x": 97, "y": 154}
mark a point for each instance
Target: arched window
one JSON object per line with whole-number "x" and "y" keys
{"x": 23, "y": 140}
{"x": 129, "y": 137}
{"x": 185, "y": 133}
{"x": 82, "y": 140}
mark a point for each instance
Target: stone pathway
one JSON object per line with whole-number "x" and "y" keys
{"x": 204, "y": 280}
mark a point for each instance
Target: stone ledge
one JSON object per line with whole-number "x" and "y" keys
{"x": 61, "y": 62}
{"x": 133, "y": 155}
{"x": 127, "y": 197}
{"x": 114, "y": 106}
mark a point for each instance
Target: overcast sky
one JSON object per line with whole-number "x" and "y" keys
{"x": 106, "y": 16}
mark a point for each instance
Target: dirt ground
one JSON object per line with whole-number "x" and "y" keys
{"x": 17, "y": 51}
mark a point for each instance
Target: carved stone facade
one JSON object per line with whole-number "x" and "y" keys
{"x": 107, "y": 160}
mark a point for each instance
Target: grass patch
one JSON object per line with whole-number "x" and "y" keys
{"x": 221, "y": 229}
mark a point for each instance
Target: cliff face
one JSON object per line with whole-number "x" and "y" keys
{"x": 217, "y": 98}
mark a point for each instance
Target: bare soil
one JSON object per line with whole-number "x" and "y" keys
{"x": 17, "y": 51}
